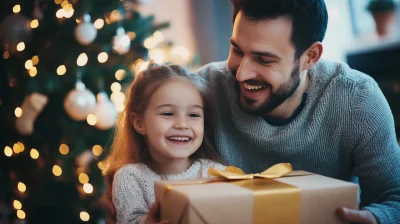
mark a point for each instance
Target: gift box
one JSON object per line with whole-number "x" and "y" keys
{"x": 278, "y": 195}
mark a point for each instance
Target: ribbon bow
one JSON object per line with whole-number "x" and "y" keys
{"x": 234, "y": 173}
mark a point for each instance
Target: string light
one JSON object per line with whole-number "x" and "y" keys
{"x": 8, "y": 151}
{"x": 60, "y": 13}
{"x": 116, "y": 87}
{"x": 88, "y": 188}
{"x": 82, "y": 59}
{"x": 17, "y": 204}
{"x": 35, "y": 60}
{"x": 64, "y": 149}
{"x": 28, "y": 64}
{"x": 97, "y": 150}
{"x": 57, "y": 171}
{"x": 21, "y": 214}
{"x": 61, "y": 70}
{"x": 84, "y": 216}
{"x": 131, "y": 35}
{"x": 18, "y": 112}
{"x": 68, "y": 13}
{"x": 150, "y": 43}
{"x": 20, "y": 46}
{"x": 34, "y": 154}
{"x": 157, "y": 55}
{"x": 21, "y": 146}
{"x": 91, "y": 119}
{"x": 117, "y": 97}
{"x": 6, "y": 55}
{"x": 83, "y": 178}
{"x": 120, "y": 74}
{"x": 102, "y": 57}
{"x": 16, "y": 8}
{"x": 21, "y": 187}
{"x": 115, "y": 16}
{"x": 58, "y": 1}
{"x": 34, "y": 23}
{"x": 33, "y": 72}
{"x": 120, "y": 107}
{"x": 99, "y": 23}
{"x": 158, "y": 36}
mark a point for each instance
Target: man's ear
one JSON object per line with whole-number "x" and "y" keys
{"x": 312, "y": 55}
{"x": 137, "y": 123}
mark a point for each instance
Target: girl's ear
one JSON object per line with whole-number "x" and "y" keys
{"x": 137, "y": 123}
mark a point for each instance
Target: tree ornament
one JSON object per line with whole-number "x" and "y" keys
{"x": 31, "y": 107}
{"x": 85, "y": 32}
{"x": 121, "y": 42}
{"x": 106, "y": 112}
{"x": 80, "y": 102}
{"x": 13, "y": 30}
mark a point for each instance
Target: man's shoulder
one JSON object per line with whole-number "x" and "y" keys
{"x": 214, "y": 69}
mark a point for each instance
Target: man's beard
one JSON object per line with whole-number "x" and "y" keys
{"x": 284, "y": 92}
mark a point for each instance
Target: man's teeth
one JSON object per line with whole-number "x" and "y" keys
{"x": 251, "y": 87}
{"x": 179, "y": 138}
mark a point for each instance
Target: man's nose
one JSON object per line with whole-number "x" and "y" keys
{"x": 245, "y": 70}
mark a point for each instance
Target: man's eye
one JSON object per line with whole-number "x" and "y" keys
{"x": 194, "y": 115}
{"x": 167, "y": 114}
{"x": 264, "y": 62}
{"x": 236, "y": 51}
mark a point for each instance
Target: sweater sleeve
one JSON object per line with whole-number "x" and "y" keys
{"x": 128, "y": 198}
{"x": 376, "y": 155}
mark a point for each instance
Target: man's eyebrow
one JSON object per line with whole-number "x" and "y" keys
{"x": 258, "y": 53}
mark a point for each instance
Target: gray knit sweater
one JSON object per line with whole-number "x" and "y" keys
{"x": 345, "y": 129}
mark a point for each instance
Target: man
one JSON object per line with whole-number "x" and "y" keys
{"x": 278, "y": 102}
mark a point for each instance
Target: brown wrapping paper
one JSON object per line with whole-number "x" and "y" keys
{"x": 223, "y": 201}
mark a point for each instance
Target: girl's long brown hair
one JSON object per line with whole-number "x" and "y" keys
{"x": 128, "y": 145}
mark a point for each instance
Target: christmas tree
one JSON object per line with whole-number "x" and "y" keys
{"x": 63, "y": 71}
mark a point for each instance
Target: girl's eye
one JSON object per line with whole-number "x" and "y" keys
{"x": 194, "y": 115}
{"x": 167, "y": 114}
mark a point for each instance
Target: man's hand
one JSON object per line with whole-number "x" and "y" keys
{"x": 107, "y": 204}
{"x": 357, "y": 216}
{"x": 153, "y": 215}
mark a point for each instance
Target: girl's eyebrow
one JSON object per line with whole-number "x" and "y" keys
{"x": 173, "y": 105}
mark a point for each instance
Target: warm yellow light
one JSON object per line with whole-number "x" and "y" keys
{"x": 34, "y": 23}
{"x": 17, "y": 204}
{"x": 8, "y": 151}
{"x": 131, "y": 35}
{"x": 115, "y": 16}
{"x": 116, "y": 87}
{"x": 17, "y": 8}
{"x": 69, "y": 13}
{"x": 58, "y": 1}
{"x": 88, "y": 188}
{"x": 83, "y": 178}
{"x": 120, "y": 107}
{"x": 21, "y": 214}
{"x": 21, "y": 146}
{"x": 20, "y": 46}
{"x": 34, "y": 154}
{"x": 17, "y": 148}
{"x": 33, "y": 72}
{"x": 99, "y": 23}
{"x": 61, "y": 70}
{"x": 78, "y": 20}
{"x": 35, "y": 60}
{"x": 158, "y": 36}
{"x": 91, "y": 119}
{"x": 82, "y": 59}
{"x": 150, "y": 43}
{"x": 6, "y": 55}
{"x": 21, "y": 187}
{"x": 120, "y": 74}
{"x": 84, "y": 216}
{"x": 117, "y": 97}
{"x": 67, "y": 7}
{"x": 103, "y": 57}
{"x": 97, "y": 150}
{"x": 64, "y": 3}
{"x": 64, "y": 149}
{"x": 142, "y": 65}
{"x": 60, "y": 13}
{"x": 18, "y": 112}
{"x": 57, "y": 171}
{"x": 157, "y": 55}
{"x": 28, "y": 64}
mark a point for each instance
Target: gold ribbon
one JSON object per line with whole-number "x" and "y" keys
{"x": 274, "y": 201}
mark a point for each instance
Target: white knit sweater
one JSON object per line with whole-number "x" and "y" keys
{"x": 133, "y": 188}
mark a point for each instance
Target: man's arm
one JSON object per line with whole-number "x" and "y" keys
{"x": 376, "y": 156}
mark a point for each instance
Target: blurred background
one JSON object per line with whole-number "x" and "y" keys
{"x": 65, "y": 65}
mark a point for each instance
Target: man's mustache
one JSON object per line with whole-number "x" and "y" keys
{"x": 253, "y": 82}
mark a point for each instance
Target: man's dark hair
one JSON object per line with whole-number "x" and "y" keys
{"x": 309, "y": 18}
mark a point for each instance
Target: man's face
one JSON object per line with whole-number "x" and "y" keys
{"x": 262, "y": 58}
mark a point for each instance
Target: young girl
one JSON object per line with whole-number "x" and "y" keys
{"x": 160, "y": 136}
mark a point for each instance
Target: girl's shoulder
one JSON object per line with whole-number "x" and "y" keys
{"x": 134, "y": 170}
{"x": 206, "y": 164}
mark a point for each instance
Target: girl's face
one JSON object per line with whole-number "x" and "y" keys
{"x": 173, "y": 122}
